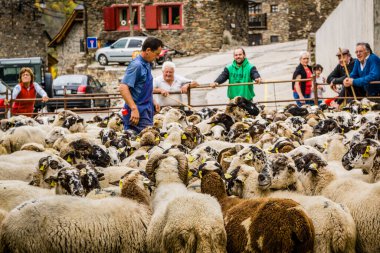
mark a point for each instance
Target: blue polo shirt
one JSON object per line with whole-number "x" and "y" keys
{"x": 136, "y": 75}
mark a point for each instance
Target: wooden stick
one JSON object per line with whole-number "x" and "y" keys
{"x": 347, "y": 74}
{"x": 174, "y": 99}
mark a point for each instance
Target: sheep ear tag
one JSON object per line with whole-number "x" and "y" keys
{"x": 146, "y": 156}
{"x": 183, "y": 137}
{"x": 195, "y": 139}
{"x": 42, "y": 167}
{"x": 189, "y": 173}
{"x": 121, "y": 184}
{"x": 325, "y": 145}
{"x": 52, "y": 184}
{"x": 248, "y": 156}
{"x": 146, "y": 181}
{"x": 200, "y": 174}
{"x": 314, "y": 167}
{"x": 138, "y": 139}
{"x": 69, "y": 160}
{"x": 299, "y": 132}
{"x": 191, "y": 159}
{"x": 203, "y": 160}
{"x": 366, "y": 153}
{"x": 166, "y": 135}
{"x": 157, "y": 139}
{"x": 227, "y": 176}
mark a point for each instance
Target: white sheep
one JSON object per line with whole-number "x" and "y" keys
{"x": 66, "y": 223}
{"x": 168, "y": 230}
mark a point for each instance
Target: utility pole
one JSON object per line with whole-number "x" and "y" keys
{"x": 85, "y": 17}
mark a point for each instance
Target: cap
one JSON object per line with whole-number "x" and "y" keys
{"x": 344, "y": 51}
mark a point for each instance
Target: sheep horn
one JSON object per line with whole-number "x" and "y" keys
{"x": 152, "y": 164}
{"x": 182, "y": 167}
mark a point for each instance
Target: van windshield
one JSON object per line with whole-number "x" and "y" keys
{"x": 10, "y": 74}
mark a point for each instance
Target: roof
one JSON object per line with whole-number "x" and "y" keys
{"x": 76, "y": 16}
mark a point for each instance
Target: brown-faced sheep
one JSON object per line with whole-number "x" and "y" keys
{"x": 260, "y": 225}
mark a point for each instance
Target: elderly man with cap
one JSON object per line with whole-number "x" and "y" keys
{"x": 338, "y": 75}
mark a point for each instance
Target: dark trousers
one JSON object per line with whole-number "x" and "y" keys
{"x": 359, "y": 91}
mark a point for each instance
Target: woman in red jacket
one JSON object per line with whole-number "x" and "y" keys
{"x": 27, "y": 88}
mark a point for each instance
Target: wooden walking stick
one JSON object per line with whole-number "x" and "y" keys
{"x": 347, "y": 74}
{"x": 179, "y": 102}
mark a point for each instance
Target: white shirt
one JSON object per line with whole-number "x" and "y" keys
{"x": 177, "y": 84}
{"x": 363, "y": 65}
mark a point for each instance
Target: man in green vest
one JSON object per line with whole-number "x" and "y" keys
{"x": 240, "y": 71}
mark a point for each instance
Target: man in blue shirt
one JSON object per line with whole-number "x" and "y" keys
{"x": 136, "y": 88}
{"x": 366, "y": 69}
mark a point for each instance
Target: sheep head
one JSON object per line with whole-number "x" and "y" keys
{"x": 154, "y": 163}
{"x": 222, "y": 118}
{"x": 309, "y": 162}
{"x": 136, "y": 185}
{"x": 150, "y": 136}
{"x": 67, "y": 181}
{"x": 106, "y": 135}
{"x": 192, "y": 137}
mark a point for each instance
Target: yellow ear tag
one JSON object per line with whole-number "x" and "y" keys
{"x": 189, "y": 174}
{"x": 121, "y": 184}
{"x": 227, "y": 176}
{"x": 42, "y": 167}
{"x": 325, "y": 145}
{"x": 166, "y": 135}
{"x": 52, "y": 184}
{"x": 191, "y": 159}
{"x": 69, "y": 160}
{"x": 146, "y": 156}
{"x": 213, "y": 124}
{"x": 314, "y": 166}
{"x": 366, "y": 153}
{"x": 184, "y": 137}
{"x": 203, "y": 160}
{"x": 138, "y": 139}
{"x": 120, "y": 150}
{"x": 248, "y": 138}
{"x": 276, "y": 150}
{"x": 299, "y": 132}
{"x": 132, "y": 151}
{"x": 249, "y": 156}
{"x": 157, "y": 138}
{"x": 195, "y": 139}
{"x": 200, "y": 174}
{"x": 342, "y": 130}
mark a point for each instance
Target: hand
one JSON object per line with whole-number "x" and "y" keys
{"x": 320, "y": 87}
{"x": 45, "y": 99}
{"x": 258, "y": 80}
{"x": 333, "y": 87}
{"x": 135, "y": 117}
{"x": 156, "y": 106}
{"x": 214, "y": 84}
{"x": 6, "y": 102}
{"x": 194, "y": 84}
{"x": 347, "y": 82}
{"x": 184, "y": 88}
{"x": 164, "y": 93}
{"x": 302, "y": 101}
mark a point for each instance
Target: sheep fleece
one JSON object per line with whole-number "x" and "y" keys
{"x": 72, "y": 224}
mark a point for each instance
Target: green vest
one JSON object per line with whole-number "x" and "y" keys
{"x": 240, "y": 74}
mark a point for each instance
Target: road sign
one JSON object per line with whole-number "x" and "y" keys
{"x": 92, "y": 42}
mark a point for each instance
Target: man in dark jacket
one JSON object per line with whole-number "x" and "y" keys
{"x": 337, "y": 76}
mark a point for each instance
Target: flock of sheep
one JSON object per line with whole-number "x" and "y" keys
{"x": 245, "y": 179}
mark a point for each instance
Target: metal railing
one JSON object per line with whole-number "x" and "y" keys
{"x": 113, "y": 96}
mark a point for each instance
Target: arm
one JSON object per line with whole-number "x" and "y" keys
{"x": 374, "y": 74}
{"x": 16, "y": 91}
{"x": 186, "y": 83}
{"x": 41, "y": 92}
{"x": 157, "y": 89}
{"x": 221, "y": 78}
{"x": 255, "y": 75}
{"x": 335, "y": 75}
{"x": 297, "y": 87}
{"x": 127, "y": 96}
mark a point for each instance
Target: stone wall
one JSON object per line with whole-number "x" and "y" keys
{"x": 307, "y": 16}
{"x": 21, "y": 34}
{"x": 277, "y": 23}
{"x": 203, "y": 23}
{"x": 69, "y": 50}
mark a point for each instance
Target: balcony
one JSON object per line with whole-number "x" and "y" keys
{"x": 257, "y": 21}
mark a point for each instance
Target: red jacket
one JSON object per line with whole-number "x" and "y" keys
{"x": 24, "y": 106}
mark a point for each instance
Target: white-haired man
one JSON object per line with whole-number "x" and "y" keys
{"x": 169, "y": 82}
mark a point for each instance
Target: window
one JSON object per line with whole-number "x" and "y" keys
{"x": 135, "y": 43}
{"x": 274, "y": 39}
{"x": 122, "y": 21}
{"x": 254, "y": 8}
{"x": 119, "y": 44}
{"x": 170, "y": 16}
{"x": 274, "y": 8}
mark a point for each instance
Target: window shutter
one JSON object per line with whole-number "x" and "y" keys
{"x": 109, "y": 18}
{"x": 151, "y": 17}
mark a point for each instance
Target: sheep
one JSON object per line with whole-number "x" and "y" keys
{"x": 158, "y": 120}
{"x": 174, "y": 115}
{"x": 61, "y": 116}
{"x": 17, "y": 121}
{"x": 360, "y": 197}
{"x": 251, "y": 155}
{"x": 364, "y": 155}
{"x": 66, "y": 223}
{"x": 14, "y": 192}
{"x": 217, "y": 132}
{"x": 249, "y": 222}
{"x": 168, "y": 231}
{"x": 17, "y": 137}
{"x": 20, "y": 165}
{"x": 335, "y": 229}
{"x": 115, "y": 122}
{"x": 173, "y": 136}
{"x": 220, "y": 118}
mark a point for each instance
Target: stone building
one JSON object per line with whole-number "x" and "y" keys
{"x": 273, "y": 21}
{"x": 188, "y": 25}
{"x": 21, "y": 32}
{"x": 68, "y": 42}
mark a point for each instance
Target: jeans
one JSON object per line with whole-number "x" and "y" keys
{"x": 309, "y": 102}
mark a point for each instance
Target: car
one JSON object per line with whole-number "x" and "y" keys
{"x": 120, "y": 51}
{"x": 77, "y": 84}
